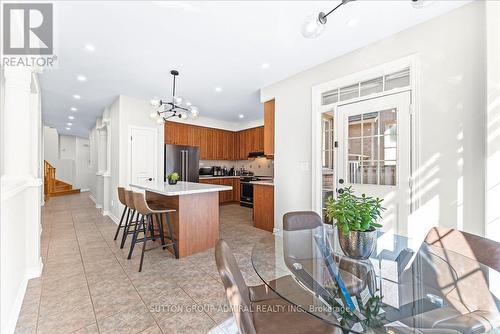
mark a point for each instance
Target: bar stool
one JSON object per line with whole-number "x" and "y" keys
{"x": 129, "y": 200}
{"x": 126, "y": 209}
{"x": 146, "y": 224}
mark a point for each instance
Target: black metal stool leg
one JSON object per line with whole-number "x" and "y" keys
{"x": 152, "y": 230}
{"x": 159, "y": 219}
{"x": 172, "y": 237}
{"x": 134, "y": 237}
{"x": 120, "y": 225}
{"x": 125, "y": 227}
{"x": 126, "y": 232}
{"x": 148, "y": 219}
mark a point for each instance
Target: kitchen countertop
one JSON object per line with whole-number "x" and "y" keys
{"x": 179, "y": 189}
{"x": 263, "y": 182}
{"x": 208, "y": 177}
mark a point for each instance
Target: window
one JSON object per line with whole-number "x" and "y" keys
{"x": 372, "y": 148}
{"x": 376, "y": 85}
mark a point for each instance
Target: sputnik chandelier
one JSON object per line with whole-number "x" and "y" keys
{"x": 177, "y": 107}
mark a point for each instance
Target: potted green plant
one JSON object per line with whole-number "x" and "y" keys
{"x": 173, "y": 178}
{"x": 356, "y": 219}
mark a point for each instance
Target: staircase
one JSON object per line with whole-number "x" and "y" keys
{"x": 54, "y": 187}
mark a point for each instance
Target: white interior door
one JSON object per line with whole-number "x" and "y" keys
{"x": 374, "y": 151}
{"x": 143, "y": 155}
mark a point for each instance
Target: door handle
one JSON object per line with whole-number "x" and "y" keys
{"x": 340, "y": 191}
{"x": 341, "y": 181}
{"x": 150, "y": 179}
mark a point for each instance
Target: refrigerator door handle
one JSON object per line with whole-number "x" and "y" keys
{"x": 184, "y": 165}
{"x": 187, "y": 166}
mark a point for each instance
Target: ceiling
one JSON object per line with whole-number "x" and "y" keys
{"x": 212, "y": 44}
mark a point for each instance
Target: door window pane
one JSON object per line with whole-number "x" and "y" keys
{"x": 354, "y": 171}
{"x": 354, "y": 149}
{"x": 387, "y": 173}
{"x": 369, "y": 172}
{"x": 354, "y": 126}
{"x": 370, "y": 148}
{"x": 388, "y": 147}
{"x": 370, "y": 124}
{"x": 388, "y": 122}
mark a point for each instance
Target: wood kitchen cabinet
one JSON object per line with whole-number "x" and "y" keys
{"x": 269, "y": 128}
{"x": 216, "y": 144}
{"x": 263, "y": 206}
{"x": 228, "y": 196}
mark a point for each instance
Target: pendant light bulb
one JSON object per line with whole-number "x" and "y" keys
{"x": 314, "y": 25}
{"x": 155, "y": 102}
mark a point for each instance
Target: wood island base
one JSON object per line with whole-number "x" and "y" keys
{"x": 196, "y": 221}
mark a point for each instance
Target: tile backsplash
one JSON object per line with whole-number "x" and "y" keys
{"x": 259, "y": 166}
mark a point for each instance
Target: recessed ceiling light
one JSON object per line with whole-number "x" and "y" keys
{"x": 241, "y": 116}
{"x": 352, "y": 23}
{"x": 218, "y": 89}
{"x": 71, "y": 117}
{"x": 69, "y": 124}
{"x": 266, "y": 66}
{"x": 89, "y": 47}
{"x": 77, "y": 97}
{"x": 81, "y": 78}
{"x": 73, "y": 109}
{"x": 68, "y": 129}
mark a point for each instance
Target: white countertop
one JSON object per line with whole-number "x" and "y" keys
{"x": 210, "y": 177}
{"x": 181, "y": 188}
{"x": 263, "y": 182}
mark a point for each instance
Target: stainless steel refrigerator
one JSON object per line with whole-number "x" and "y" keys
{"x": 184, "y": 160}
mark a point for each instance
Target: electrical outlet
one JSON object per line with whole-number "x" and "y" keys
{"x": 112, "y": 203}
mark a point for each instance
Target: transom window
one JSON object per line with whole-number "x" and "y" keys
{"x": 364, "y": 88}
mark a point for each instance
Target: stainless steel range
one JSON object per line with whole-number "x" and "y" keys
{"x": 246, "y": 189}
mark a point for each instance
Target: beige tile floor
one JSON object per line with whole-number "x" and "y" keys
{"x": 88, "y": 285}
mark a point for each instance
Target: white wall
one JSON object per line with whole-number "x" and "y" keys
{"x": 21, "y": 189}
{"x": 70, "y": 155}
{"x": 67, "y": 147}
{"x": 451, "y": 114}
{"x": 493, "y": 120}
{"x": 82, "y": 163}
{"x": 92, "y": 178}
{"x": 50, "y": 145}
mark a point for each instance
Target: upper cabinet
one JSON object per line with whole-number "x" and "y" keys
{"x": 216, "y": 144}
{"x": 269, "y": 128}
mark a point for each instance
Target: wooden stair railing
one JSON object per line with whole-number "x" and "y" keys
{"x": 52, "y": 186}
{"x": 49, "y": 177}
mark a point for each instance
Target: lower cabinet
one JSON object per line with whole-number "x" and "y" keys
{"x": 228, "y": 196}
{"x": 263, "y": 207}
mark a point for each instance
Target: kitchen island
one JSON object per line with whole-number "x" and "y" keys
{"x": 196, "y": 221}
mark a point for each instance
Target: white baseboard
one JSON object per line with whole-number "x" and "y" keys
{"x": 84, "y": 190}
{"x": 35, "y": 271}
{"x": 98, "y": 206}
{"x": 92, "y": 198}
{"x": 32, "y": 272}
{"x": 111, "y": 216}
{"x": 11, "y": 322}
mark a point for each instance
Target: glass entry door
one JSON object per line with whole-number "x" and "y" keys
{"x": 374, "y": 154}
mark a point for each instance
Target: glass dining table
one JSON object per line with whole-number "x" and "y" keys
{"x": 397, "y": 290}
